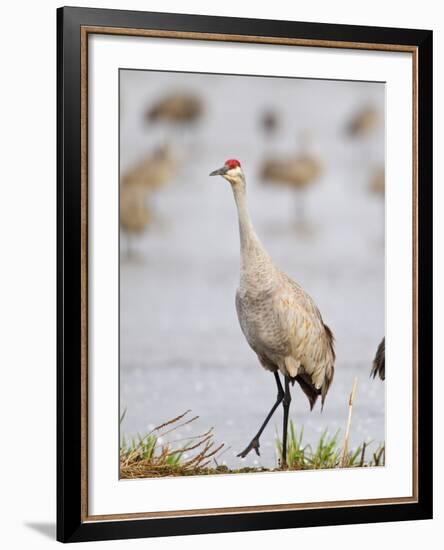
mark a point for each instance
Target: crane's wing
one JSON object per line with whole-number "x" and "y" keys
{"x": 312, "y": 357}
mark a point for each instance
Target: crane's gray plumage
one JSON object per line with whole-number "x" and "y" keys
{"x": 378, "y": 367}
{"x": 284, "y": 327}
{"x": 280, "y": 321}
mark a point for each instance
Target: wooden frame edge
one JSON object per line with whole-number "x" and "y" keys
{"x": 84, "y": 271}
{"x": 223, "y": 37}
{"x": 199, "y": 512}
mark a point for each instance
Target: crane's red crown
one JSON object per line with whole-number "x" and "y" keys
{"x": 232, "y": 163}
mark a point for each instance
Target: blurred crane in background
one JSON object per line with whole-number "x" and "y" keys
{"x": 269, "y": 121}
{"x": 137, "y": 189}
{"x": 135, "y": 215}
{"x": 154, "y": 171}
{"x": 178, "y": 111}
{"x": 298, "y": 172}
{"x": 363, "y": 130}
{"x": 178, "y": 108}
{"x": 363, "y": 122}
{"x": 377, "y": 182}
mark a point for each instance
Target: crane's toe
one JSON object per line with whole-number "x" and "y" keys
{"x": 253, "y": 445}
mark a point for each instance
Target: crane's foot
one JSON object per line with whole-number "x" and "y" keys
{"x": 253, "y": 445}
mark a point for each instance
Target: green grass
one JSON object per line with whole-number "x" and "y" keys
{"x": 149, "y": 456}
{"x": 327, "y": 453}
{"x": 152, "y": 455}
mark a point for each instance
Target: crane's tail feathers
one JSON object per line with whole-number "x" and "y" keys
{"x": 378, "y": 367}
{"x": 331, "y": 340}
{"x": 307, "y": 387}
{"x": 329, "y": 375}
{"x": 326, "y": 386}
{"x": 311, "y": 391}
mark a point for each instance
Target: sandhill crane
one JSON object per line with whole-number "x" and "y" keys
{"x": 279, "y": 320}
{"x": 378, "y": 367}
{"x": 179, "y": 111}
{"x": 297, "y": 172}
{"x": 177, "y": 108}
{"x": 269, "y": 122}
{"x": 134, "y": 213}
{"x": 154, "y": 171}
{"x": 137, "y": 186}
{"x": 377, "y": 182}
{"x": 364, "y": 122}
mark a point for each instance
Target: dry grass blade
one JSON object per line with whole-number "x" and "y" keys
{"x": 180, "y": 426}
{"x": 192, "y": 437}
{"x": 190, "y": 447}
{"x": 347, "y": 430}
{"x": 143, "y": 439}
{"x": 147, "y": 457}
{"x": 169, "y": 422}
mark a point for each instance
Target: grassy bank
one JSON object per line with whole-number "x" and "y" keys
{"x": 159, "y": 454}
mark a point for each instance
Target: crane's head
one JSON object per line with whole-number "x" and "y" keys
{"x": 231, "y": 171}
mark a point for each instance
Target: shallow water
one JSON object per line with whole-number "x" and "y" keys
{"x": 180, "y": 345}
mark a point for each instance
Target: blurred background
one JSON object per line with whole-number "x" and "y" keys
{"x": 313, "y": 154}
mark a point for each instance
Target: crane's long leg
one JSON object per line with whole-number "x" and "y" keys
{"x": 254, "y": 443}
{"x": 286, "y": 405}
{"x": 300, "y": 207}
{"x": 129, "y": 246}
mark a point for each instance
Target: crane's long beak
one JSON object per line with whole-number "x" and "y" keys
{"x": 219, "y": 171}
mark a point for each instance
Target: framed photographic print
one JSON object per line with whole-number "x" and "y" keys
{"x": 244, "y": 234}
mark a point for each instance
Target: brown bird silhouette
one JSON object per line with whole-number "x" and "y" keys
{"x": 177, "y": 108}
{"x": 377, "y": 182}
{"x": 364, "y": 122}
{"x": 154, "y": 171}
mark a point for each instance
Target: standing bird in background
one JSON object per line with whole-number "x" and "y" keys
{"x": 177, "y": 108}
{"x": 269, "y": 122}
{"x": 136, "y": 192}
{"x": 364, "y": 122}
{"x": 280, "y": 321}
{"x": 135, "y": 215}
{"x": 377, "y": 182}
{"x": 378, "y": 367}
{"x": 154, "y": 171}
{"x": 362, "y": 130}
{"x": 179, "y": 112}
{"x": 298, "y": 172}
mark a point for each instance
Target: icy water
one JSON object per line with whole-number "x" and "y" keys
{"x": 181, "y": 346}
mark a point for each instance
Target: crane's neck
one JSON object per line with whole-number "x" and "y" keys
{"x": 252, "y": 250}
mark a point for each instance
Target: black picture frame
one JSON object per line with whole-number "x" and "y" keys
{"x": 71, "y": 523}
